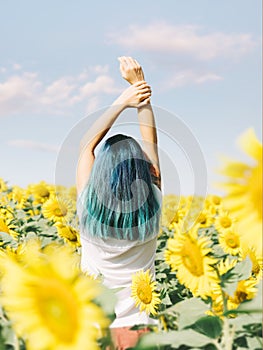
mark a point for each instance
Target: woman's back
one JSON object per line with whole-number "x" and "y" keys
{"x": 116, "y": 260}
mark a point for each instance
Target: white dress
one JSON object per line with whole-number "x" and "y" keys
{"x": 117, "y": 260}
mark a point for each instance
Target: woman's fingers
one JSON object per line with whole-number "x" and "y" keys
{"x": 136, "y": 63}
{"x": 131, "y": 61}
{"x": 144, "y": 90}
{"x": 143, "y": 96}
{"x": 125, "y": 62}
{"x": 140, "y": 83}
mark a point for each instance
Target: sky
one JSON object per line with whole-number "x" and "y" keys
{"x": 59, "y": 71}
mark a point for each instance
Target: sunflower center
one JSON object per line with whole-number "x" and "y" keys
{"x": 240, "y": 296}
{"x": 60, "y": 211}
{"x": 144, "y": 292}
{"x": 58, "y": 309}
{"x": 192, "y": 258}
{"x": 69, "y": 233}
{"x": 225, "y": 222}
{"x": 202, "y": 219}
{"x": 43, "y": 192}
{"x": 216, "y": 200}
{"x": 232, "y": 240}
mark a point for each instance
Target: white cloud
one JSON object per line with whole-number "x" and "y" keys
{"x": 35, "y": 145}
{"x": 27, "y": 92}
{"x": 187, "y": 77}
{"x": 102, "y": 84}
{"x": 187, "y": 40}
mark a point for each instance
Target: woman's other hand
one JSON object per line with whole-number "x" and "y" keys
{"x": 130, "y": 69}
{"x": 137, "y": 95}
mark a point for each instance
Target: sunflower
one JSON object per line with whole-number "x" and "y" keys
{"x": 213, "y": 203}
{"x": 68, "y": 233}
{"x": 7, "y": 227}
{"x": 217, "y": 302}
{"x": 18, "y": 196}
{"x": 6, "y": 210}
{"x": 144, "y": 293}
{"x": 3, "y": 226}
{"x": 256, "y": 259}
{"x": 57, "y": 209}
{"x": 244, "y": 190}
{"x": 224, "y": 221}
{"x": 230, "y": 241}
{"x": 225, "y": 265}
{"x": 72, "y": 192}
{"x": 177, "y": 220}
{"x": 246, "y": 290}
{"x": 50, "y": 302}
{"x": 187, "y": 254}
{"x": 3, "y": 186}
{"x": 205, "y": 219}
{"x": 169, "y": 207}
{"x": 41, "y": 191}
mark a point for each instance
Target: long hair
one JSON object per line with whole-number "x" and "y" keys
{"x": 119, "y": 199}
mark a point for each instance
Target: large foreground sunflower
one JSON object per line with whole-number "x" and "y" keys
{"x": 187, "y": 254}
{"x": 244, "y": 190}
{"x": 50, "y": 303}
{"x": 144, "y": 293}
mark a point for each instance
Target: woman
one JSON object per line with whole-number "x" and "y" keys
{"x": 120, "y": 202}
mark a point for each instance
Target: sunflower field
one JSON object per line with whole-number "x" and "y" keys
{"x": 207, "y": 293}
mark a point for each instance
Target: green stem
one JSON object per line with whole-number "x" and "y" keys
{"x": 16, "y": 343}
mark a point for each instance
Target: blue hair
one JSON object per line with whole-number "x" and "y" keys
{"x": 120, "y": 200}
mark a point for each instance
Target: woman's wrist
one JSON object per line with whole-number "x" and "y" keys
{"x": 120, "y": 103}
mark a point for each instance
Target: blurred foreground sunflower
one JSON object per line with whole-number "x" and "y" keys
{"x": 244, "y": 190}
{"x": 144, "y": 293}
{"x": 50, "y": 302}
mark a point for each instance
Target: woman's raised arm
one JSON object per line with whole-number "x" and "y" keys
{"x": 135, "y": 96}
{"x": 132, "y": 72}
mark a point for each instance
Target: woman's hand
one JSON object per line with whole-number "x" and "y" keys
{"x": 137, "y": 95}
{"x": 130, "y": 69}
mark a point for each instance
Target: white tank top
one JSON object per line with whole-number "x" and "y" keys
{"x": 117, "y": 260}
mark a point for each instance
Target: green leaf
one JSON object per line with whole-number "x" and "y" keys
{"x": 175, "y": 338}
{"x": 230, "y": 288}
{"x": 242, "y": 320}
{"x": 211, "y": 326}
{"x": 190, "y": 311}
{"x": 254, "y": 343}
{"x": 243, "y": 269}
{"x": 166, "y": 300}
{"x": 5, "y": 237}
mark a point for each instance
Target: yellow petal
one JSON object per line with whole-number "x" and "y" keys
{"x": 250, "y": 144}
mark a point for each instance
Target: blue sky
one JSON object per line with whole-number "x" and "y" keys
{"x": 58, "y": 65}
